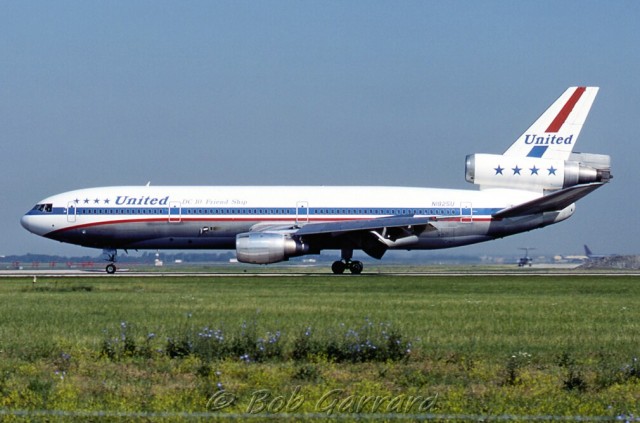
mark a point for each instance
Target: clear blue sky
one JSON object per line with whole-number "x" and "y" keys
{"x": 309, "y": 92}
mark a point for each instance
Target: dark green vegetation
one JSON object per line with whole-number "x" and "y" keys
{"x": 529, "y": 345}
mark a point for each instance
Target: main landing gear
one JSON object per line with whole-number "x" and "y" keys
{"x": 354, "y": 266}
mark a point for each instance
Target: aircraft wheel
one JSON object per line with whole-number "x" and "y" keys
{"x": 111, "y": 268}
{"x": 338, "y": 267}
{"x": 356, "y": 267}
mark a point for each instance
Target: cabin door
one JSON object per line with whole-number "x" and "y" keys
{"x": 71, "y": 211}
{"x": 302, "y": 212}
{"x": 466, "y": 213}
{"x": 175, "y": 212}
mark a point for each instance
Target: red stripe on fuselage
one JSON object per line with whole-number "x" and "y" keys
{"x": 566, "y": 110}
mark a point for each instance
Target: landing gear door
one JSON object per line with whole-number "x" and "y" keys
{"x": 71, "y": 211}
{"x": 302, "y": 212}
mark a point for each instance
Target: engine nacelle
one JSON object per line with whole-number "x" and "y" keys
{"x": 536, "y": 174}
{"x": 267, "y": 247}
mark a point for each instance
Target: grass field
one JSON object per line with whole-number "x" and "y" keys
{"x": 489, "y": 345}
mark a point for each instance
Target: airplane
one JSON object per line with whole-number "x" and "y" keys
{"x": 526, "y": 260}
{"x": 591, "y": 256}
{"x": 533, "y": 184}
{"x": 588, "y": 256}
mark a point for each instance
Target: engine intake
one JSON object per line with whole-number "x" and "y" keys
{"x": 267, "y": 247}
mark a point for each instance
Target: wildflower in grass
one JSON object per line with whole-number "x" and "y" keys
{"x": 205, "y": 333}
{"x": 109, "y": 348}
{"x": 260, "y": 345}
{"x": 351, "y": 334}
{"x": 628, "y": 418}
{"x": 304, "y": 345}
{"x": 369, "y": 342}
{"x": 631, "y": 370}
{"x": 273, "y": 338}
{"x": 271, "y": 347}
{"x": 127, "y": 339}
{"x": 62, "y": 363}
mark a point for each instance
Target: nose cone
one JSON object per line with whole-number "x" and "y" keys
{"x": 26, "y": 223}
{"x": 34, "y": 224}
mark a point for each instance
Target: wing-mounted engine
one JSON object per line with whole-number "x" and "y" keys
{"x": 267, "y": 247}
{"x": 536, "y": 174}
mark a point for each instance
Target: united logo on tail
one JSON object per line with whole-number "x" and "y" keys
{"x": 555, "y": 133}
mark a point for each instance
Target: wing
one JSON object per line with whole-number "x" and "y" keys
{"x": 552, "y": 202}
{"x": 364, "y": 225}
{"x": 373, "y": 236}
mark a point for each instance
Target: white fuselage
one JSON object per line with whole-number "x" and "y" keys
{"x": 172, "y": 217}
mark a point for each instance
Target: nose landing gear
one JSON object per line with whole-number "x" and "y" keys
{"x": 111, "y": 258}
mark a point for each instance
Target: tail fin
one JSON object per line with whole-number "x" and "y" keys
{"x": 555, "y": 133}
{"x": 587, "y": 251}
{"x": 541, "y": 159}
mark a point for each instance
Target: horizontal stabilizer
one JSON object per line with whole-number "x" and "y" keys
{"x": 362, "y": 225}
{"x": 552, "y": 202}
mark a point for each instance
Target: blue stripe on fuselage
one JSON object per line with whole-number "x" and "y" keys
{"x": 272, "y": 211}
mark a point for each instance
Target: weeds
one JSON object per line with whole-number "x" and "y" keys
{"x": 575, "y": 381}
{"x": 41, "y": 387}
{"x": 126, "y": 343}
{"x": 369, "y": 342}
{"x": 308, "y": 372}
{"x": 631, "y": 370}
{"x": 514, "y": 364}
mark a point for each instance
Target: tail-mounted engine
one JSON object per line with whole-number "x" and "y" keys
{"x": 267, "y": 247}
{"x": 536, "y": 174}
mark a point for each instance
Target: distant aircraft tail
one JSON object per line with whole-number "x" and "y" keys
{"x": 541, "y": 159}
{"x": 587, "y": 251}
{"x": 555, "y": 133}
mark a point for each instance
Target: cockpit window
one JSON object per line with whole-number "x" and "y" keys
{"x": 46, "y": 208}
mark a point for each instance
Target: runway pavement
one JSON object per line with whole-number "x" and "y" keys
{"x": 453, "y": 272}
